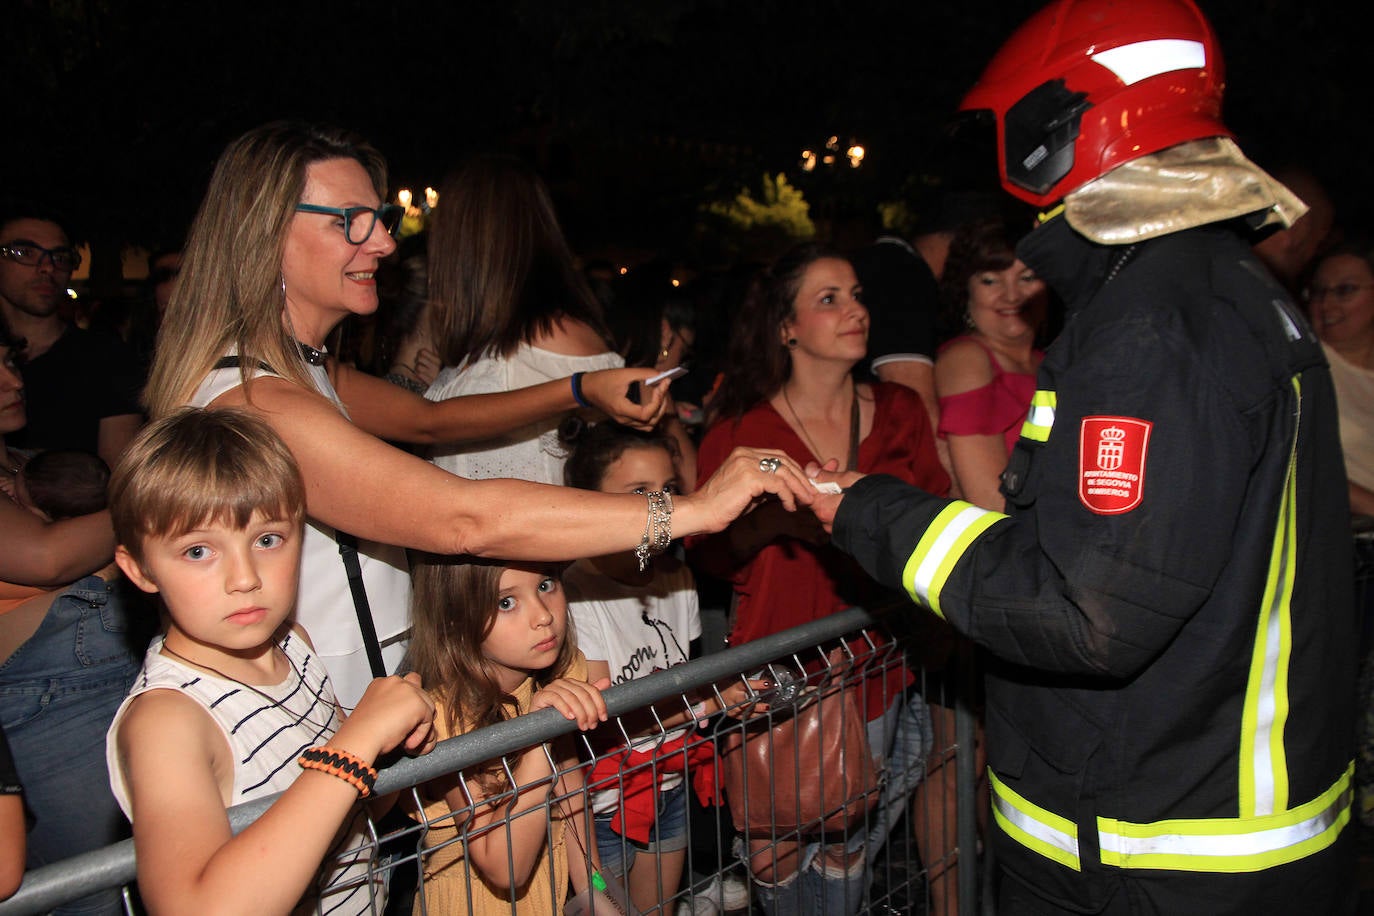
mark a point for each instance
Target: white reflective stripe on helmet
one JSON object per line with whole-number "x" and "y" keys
{"x": 1143, "y": 59}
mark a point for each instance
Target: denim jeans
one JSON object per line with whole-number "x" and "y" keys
{"x": 906, "y": 767}
{"x": 58, "y": 694}
{"x": 669, "y": 833}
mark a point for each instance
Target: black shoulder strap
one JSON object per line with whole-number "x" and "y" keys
{"x": 348, "y": 549}
{"x": 233, "y": 362}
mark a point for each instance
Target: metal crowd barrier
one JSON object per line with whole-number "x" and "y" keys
{"x": 895, "y": 878}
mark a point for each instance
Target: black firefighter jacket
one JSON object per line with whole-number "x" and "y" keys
{"x": 1167, "y": 600}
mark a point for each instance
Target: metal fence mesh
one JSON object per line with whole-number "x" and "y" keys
{"x": 459, "y": 806}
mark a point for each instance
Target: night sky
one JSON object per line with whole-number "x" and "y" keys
{"x": 636, "y": 111}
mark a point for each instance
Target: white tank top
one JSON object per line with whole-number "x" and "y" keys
{"x": 266, "y": 729}
{"x": 325, "y": 606}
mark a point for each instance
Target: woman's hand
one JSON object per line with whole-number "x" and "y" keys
{"x": 609, "y": 391}
{"x": 578, "y": 701}
{"x": 422, "y": 369}
{"x": 771, "y": 522}
{"x": 738, "y": 485}
{"x": 736, "y": 697}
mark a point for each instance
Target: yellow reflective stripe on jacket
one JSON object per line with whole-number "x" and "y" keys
{"x": 1035, "y": 828}
{"x": 1263, "y": 773}
{"x": 1239, "y": 844}
{"x": 1040, "y": 418}
{"x": 940, "y": 547}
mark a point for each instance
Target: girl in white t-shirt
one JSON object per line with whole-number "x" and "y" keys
{"x": 631, "y": 622}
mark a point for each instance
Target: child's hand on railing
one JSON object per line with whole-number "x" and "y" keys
{"x": 739, "y": 697}
{"x": 577, "y": 700}
{"x": 394, "y": 712}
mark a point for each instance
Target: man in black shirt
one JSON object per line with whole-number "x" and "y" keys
{"x": 81, "y": 387}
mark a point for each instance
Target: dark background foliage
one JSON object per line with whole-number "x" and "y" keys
{"x": 636, "y": 111}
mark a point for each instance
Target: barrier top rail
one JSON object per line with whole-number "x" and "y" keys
{"x": 114, "y": 866}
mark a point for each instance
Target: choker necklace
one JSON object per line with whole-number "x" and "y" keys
{"x": 312, "y": 356}
{"x": 852, "y": 461}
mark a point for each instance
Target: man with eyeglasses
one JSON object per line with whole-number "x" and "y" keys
{"x": 81, "y": 387}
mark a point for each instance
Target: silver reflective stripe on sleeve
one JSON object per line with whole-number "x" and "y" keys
{"x": 1035, "y": 828}
{"x": 1040, "y": 418}
{"x": 941, "y": 545}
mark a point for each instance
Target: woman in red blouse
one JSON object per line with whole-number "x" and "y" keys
{"x": 790, "y": 385}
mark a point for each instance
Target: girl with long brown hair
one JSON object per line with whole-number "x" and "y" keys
{"x": 790, "y": 384}
{"x": 507, "y": 308}
{"x": 493, "y": 640}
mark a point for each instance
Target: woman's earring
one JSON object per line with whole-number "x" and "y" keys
{"x": 663, "y": 354}
{"x": 791, "y": 343}
{"x": 968, "y": 320}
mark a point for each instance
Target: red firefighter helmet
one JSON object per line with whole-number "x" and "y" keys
{"x": 1085, "y": 85}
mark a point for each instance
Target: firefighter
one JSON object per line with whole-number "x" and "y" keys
{"x": 1167, "y": 598}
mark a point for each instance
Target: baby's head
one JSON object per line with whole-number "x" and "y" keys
{"x": 217, "y": 480}
{"x": 63, "y": 483}
{"x": 618, "y": 459}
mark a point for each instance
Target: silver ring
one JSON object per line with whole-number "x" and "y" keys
{"x": 769, "y": 465}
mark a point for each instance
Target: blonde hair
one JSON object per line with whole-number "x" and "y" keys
{"x": 196, "y": 465}
{"x": 230, "y": 292}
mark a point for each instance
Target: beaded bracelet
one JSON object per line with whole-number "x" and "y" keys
{"x": 577, "y": 390}
{"x": 348, "y": 767}
{"x": 658, "y": 527}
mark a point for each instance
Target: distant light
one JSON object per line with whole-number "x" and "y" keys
{"x": 828, "y": 160}
{"x": 677, "y": 282}
{"x": 624, "y": 271}
{"x": 431, "y": 198}
{"x": 833, "y": 143}
{"x": 404, "y": 197}
{"x": 71, "y": 293}
{"x": 808, "y": 160}
{"x": 856, "y": 156}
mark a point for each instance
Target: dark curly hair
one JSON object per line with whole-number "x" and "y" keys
{"x": 598, "y": 446}
{"x": 984, "y": 244}
{"x": 756, "y": 362}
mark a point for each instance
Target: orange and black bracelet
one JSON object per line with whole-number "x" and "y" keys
{"x": 352, "y": 770}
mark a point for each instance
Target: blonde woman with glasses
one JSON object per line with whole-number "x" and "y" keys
{"x": 285, "y": 246}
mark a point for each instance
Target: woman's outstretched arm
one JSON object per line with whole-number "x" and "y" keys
{"x": 357, "y": 483}
{"x": 396, "y": 415}
{"x": 51, "y": 554}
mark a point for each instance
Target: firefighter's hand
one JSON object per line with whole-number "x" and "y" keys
{"x": 826, "y": 478}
